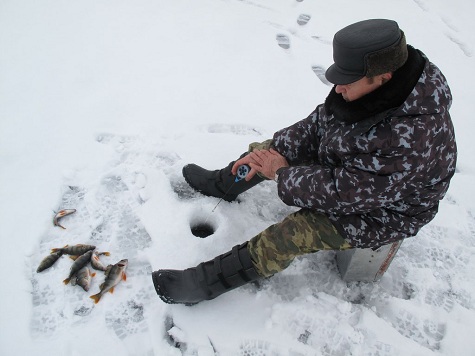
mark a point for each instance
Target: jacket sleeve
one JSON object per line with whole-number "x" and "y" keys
{"x": 299, "y": 142}
{"x": 364, "y": 182}
{"x": 347, "y": 190}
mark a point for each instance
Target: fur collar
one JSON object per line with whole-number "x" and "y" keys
{"x": 390, "y": 95}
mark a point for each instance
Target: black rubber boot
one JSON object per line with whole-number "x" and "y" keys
{"x": 208, "y": 280}
{"x": 219, "y": 183}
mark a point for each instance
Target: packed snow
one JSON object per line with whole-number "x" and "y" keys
{"x": 101, "y": 105}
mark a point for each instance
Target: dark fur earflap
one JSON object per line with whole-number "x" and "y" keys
{"x": 388, "y": 59}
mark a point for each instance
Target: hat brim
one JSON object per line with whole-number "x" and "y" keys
{"x": 337, "y": 76}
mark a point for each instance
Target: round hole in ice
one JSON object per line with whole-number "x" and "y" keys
{"x": 203, "y": 224}
{"x": 202, "y": 229}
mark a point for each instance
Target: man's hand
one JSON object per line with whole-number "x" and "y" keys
{"x": 266, "y": 162}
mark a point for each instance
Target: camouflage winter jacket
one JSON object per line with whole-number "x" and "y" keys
{"x": 377, "y": 166}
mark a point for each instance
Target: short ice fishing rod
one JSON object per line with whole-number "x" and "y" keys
{"x": 242, "y": 172}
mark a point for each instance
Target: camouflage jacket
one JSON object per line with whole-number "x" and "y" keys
{"x": 378, "y": 166}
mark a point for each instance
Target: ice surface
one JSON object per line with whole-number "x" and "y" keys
{"x": 103, "y": 103}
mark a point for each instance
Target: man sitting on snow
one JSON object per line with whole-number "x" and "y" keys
{"x": 367, "y": 167}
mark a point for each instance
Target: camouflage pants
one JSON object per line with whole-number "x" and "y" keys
{"x": 265, "y": 145}
{"x": 302, "y": 232}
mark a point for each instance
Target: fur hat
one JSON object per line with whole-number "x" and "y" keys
{"x": 367, "y": 48}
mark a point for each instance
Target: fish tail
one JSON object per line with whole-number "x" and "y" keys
{"x": 53, "y": 250}
{"x": 66, "y": 281}
{"x": 96, "y": 297}
{"x": 56, "y": 223}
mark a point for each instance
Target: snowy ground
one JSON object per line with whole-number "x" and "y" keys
{"x": 101, "y": 105}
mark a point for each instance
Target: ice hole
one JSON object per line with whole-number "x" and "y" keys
{"x": 203, "y": 226}
{"x": 202, "y": 230}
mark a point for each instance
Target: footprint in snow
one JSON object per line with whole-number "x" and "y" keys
{"x": 303, "y": 19}
{"x": 426, "y": 333}
{"x": 237, "y": 129}
{"x": 440, "y": 299}
{"x": 283, "y": 41}
{"x": 256, "y": 347}
{"x": 320, "y": 73}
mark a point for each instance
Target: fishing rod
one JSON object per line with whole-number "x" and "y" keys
{"x": 242, "y": 172}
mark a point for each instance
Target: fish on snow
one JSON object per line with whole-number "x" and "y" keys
{"x": 114, "y": 274}
{"x": 96, "y": 262}
{"x": 49, "y": 260}
{"x": 83, "y": 278}
{"x": 79, "y": 263}
{"x": 77, "y": 250}
{"x": 60, "y": 214}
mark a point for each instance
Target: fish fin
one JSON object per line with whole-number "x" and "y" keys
{"x": 74, "y": 258}
{"x": 66, "y": 281}
{"x": 105, "y": 253}
{"x": 111, "y": 290}
{"x": 96, "y": 297}
{"x": 124, "y": 277}
{"x": 93, "y": 274}
{"x": 101, "y": 286}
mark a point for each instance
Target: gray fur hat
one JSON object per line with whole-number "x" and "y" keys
{"x": 367, "y": 48}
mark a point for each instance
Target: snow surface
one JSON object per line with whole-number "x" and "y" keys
{"x": 101, "y": 105}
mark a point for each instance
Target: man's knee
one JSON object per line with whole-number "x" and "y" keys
{"x": 299, "y": 233}
{"x": 265, "y": 145}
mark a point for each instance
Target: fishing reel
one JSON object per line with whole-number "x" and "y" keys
{"x": 242, "y": 172}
